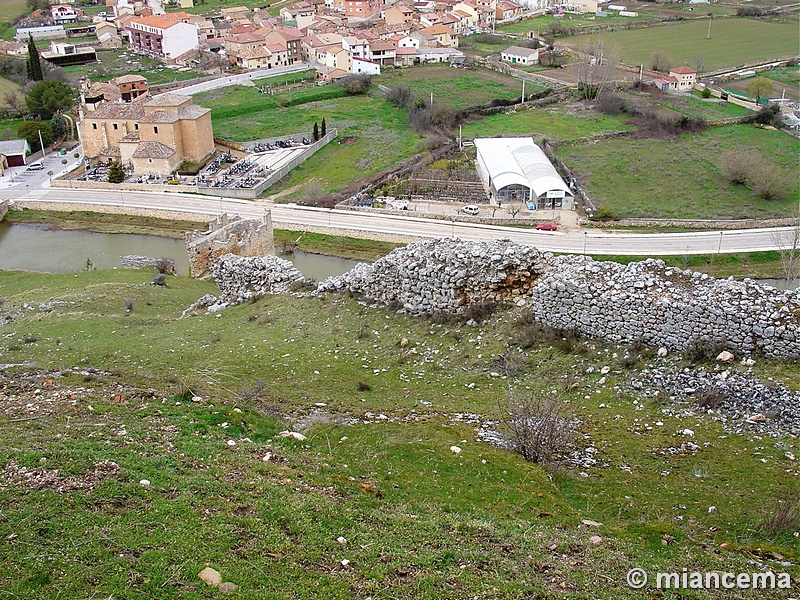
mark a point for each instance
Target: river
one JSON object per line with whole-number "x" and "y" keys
{"x": 41, "y": 249}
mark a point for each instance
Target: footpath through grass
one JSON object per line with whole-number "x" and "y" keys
{"x": 140, "y": 448}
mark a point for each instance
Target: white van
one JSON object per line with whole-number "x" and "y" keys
{"x": 35, "y": 166}
{"x": 469, "y": 209}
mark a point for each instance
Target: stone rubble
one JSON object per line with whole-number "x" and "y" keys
{"x": 743, "y": 403}
{"x": 245, "y": 278}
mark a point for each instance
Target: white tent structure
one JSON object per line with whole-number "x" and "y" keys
{"x": 517, "y": 170}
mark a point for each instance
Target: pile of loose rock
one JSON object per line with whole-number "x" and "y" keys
{"x": 244, "y": 278}
{"x": 739, "y": 400}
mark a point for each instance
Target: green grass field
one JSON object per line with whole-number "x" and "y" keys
{"x": 373, "y": 135}
{"x": 563, "y": 122}
{"x": 8, "y": 129}
{"x": 456, "y": 88}
{"x": 11, "y": 9}
{"x": 194, "y": 405}
{"x": 682, "y": 178}
{"x": 734, "y": 41}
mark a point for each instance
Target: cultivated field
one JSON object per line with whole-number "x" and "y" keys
{"x": 682, "y": 178}
{"x": 11, "y": 9}
{"x": 141, "y": 448}
{"x": 456, "y": 88}
{"x": 786, "y": 80}
{"x": 734, "y": 41}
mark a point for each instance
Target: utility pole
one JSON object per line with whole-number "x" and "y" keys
{"x": 41, "y": 143}
{"x": 708, "y": 35}
{"x": 523, "y": 90}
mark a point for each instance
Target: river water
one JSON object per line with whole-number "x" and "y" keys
{"x": 43, "y": 250}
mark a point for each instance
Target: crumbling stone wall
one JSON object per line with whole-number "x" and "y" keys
{"x": 645, "y": 301}
{"x": 229, "y": 235}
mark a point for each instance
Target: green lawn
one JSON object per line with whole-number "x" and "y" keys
{"x": 373, "y": 135}
{"x": 193, "y": 406}
{"x": 734, "y": 41}
{"x": 8, "y": 129}
{"x": 10, "y": 10}
{"x": 682, "y": 178}
{"x": 564, "y": 122}
{"x": 112, "y": 63}
{"x": 456, "y": 88}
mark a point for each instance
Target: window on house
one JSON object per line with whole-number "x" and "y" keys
{"x": 115, "y": 126}
{"x": 155, "y": 129}
{"x": 136, "y": 126}
{"x": 94, "y": 125}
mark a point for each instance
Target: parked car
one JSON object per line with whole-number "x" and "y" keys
{"x": 35, "y": 166}
{"x": 546, "y": 226}
{"x": 469, "y": 209}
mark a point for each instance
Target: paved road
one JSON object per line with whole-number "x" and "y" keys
{"x": 227, "y": 80}
{"x": 296, "y": 217}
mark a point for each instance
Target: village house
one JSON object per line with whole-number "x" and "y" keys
{"x": 507, "y": 10}
{"x": 444, "y": 36}
{"x": 150, "y": 135}
{"x": 162, "y": 37}
{"x": 517, "y": 55}
{"x": 685, "y": 78}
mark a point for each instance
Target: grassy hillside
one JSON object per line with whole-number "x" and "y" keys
{"x": 140, "y": 448}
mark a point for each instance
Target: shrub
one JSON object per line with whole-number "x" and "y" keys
{"x": 610, "y": 104}
{"x": 701, "y": 349}
{"x": 165, "y": 265}
{"x": 706, "y": 93}
{"x": 540, "y": 426}
{"x": 784, "y": 518}
{"x": 769, "y": 115}
{"x": 399, "y": 95}
{"x": 363, "y": 386}
{"x": 737, "y": 165}
{"x": 769, "y": 181}
{"x": 116, "y": 173}
{"x": 355, "y": 84}
{"x": 711, "y": 397}
{"x": 604, "y": 214}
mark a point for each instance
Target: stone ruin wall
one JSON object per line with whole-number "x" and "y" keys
{"x": 645, "y": 301}
{"x": 229, "y": 235}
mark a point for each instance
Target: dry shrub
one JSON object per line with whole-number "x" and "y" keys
{"x": 783, "y": 518}
{"x": 540, "y": 425}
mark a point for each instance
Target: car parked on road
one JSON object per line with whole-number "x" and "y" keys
{"x": 35, "y": 166}
{"x": 546, "y": 226}
{"x": 469, "y": 209}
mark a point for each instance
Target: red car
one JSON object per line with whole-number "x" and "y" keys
{"x": 547, "y": 226}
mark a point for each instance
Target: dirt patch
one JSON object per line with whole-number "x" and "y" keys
{"x": 15, "y": 476}
{"x": 348, "y": 140}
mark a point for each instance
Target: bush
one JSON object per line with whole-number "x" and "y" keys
{"x": 604, "y": 214}
{"x": 355, "y": 84}
{"x": 769, "y": 115}
{"x": 737, "y": 165}
{"x": 610, "y": 104}
{"x": 115, "y": 173}
{"x": 702, "y": 349}
{"x": 769, "y": 182}
{"x": 540, "y": 426}
{"x": 400, "y": 95}
{"x": 784, "y": 518}
{"x": 706, "y": 93}
{"x": 165, "y": 266}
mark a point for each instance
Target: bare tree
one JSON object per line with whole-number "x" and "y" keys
{"x": 788, "y": 245}
{"x": 14, "y": 101}
{"x": 660, "y": 61}
{"x": 596, "y": 67}
{"x": 513, "y": 210}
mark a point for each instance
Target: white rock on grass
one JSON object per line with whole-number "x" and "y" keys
{"x": 210, "y": 576}
{"x": 293, "y": 434}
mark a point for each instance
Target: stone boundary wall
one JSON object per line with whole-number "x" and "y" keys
{"x": 3, "y": 209}
{"x": 640, "y": 302}
{"x": 175, "y": 215}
